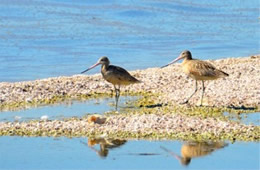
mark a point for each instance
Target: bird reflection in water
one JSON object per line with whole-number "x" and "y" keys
{"x": 105, "y": 145}
{"x": 191, "y": 150}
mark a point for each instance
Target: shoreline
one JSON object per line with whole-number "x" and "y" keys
{"x": 240, "y": 89}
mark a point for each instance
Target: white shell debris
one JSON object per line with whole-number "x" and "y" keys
{"x": 44, "y": 117}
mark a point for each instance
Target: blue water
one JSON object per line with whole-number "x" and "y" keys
{"x": 64, "y": 153}
{"x": 47, "y": 38}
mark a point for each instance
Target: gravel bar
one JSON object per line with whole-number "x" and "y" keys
{"x": 152, "y": 126}
{"x": 241, "y": 88}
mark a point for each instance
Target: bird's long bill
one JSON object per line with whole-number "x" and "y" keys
{"x": 175, "y": 60}
{"x": 90, "y": 68}
{"x": 171, "y": 153}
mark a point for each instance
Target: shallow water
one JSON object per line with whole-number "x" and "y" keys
{"x": 64, "y": 153}
{"x": 68, "y": 109}
{"x": 47, "y": 38}
{"x": 245, "y": 118}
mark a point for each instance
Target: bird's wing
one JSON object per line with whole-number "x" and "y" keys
{"x": 203, "y": 68}
{"x": 120, "y": 74}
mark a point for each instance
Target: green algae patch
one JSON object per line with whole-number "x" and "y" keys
{"x": 204, "y": 112}
{"x": 222, "y": 113}
{"x": 148, "y": 100}
{"x": 146, "y": 105}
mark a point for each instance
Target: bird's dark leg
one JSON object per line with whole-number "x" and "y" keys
{"x": 117, "y": 90}
{"x": 196, "y": 84}
{"x": 116, "y": 96}
{"x": 203, "y": 90}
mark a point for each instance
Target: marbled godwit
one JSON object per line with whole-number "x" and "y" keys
{"x": 192, "y": 150}
{"x": 106, "y": 144}
{"x": 198, "y": 70}
{"x": 115, "y": 75}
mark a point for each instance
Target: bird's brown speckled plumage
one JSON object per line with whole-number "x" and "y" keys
{"x": 201, "y": 70}
{"x": 117, "y": 75}
{"x": 198, "y": 70}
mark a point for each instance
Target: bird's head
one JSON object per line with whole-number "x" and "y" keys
{"x": 184, "y": 54}
{"x": 103, "y": 60}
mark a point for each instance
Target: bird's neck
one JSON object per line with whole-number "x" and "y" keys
{"x": 104, "y": 67}
{"x": 188, "y": 58}
{"x": 185, "y": 61}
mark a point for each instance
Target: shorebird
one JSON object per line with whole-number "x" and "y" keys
{"x": 114, "y": 75}
{"x": 198, "y": 70}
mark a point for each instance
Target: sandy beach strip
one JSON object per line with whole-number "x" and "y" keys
{"x": 241, "y": 88}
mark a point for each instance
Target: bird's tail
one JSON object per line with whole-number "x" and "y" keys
{"x": 222, "y": 73}
{"x": 134, "y": 80}
{"x": 139, "y": 81}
